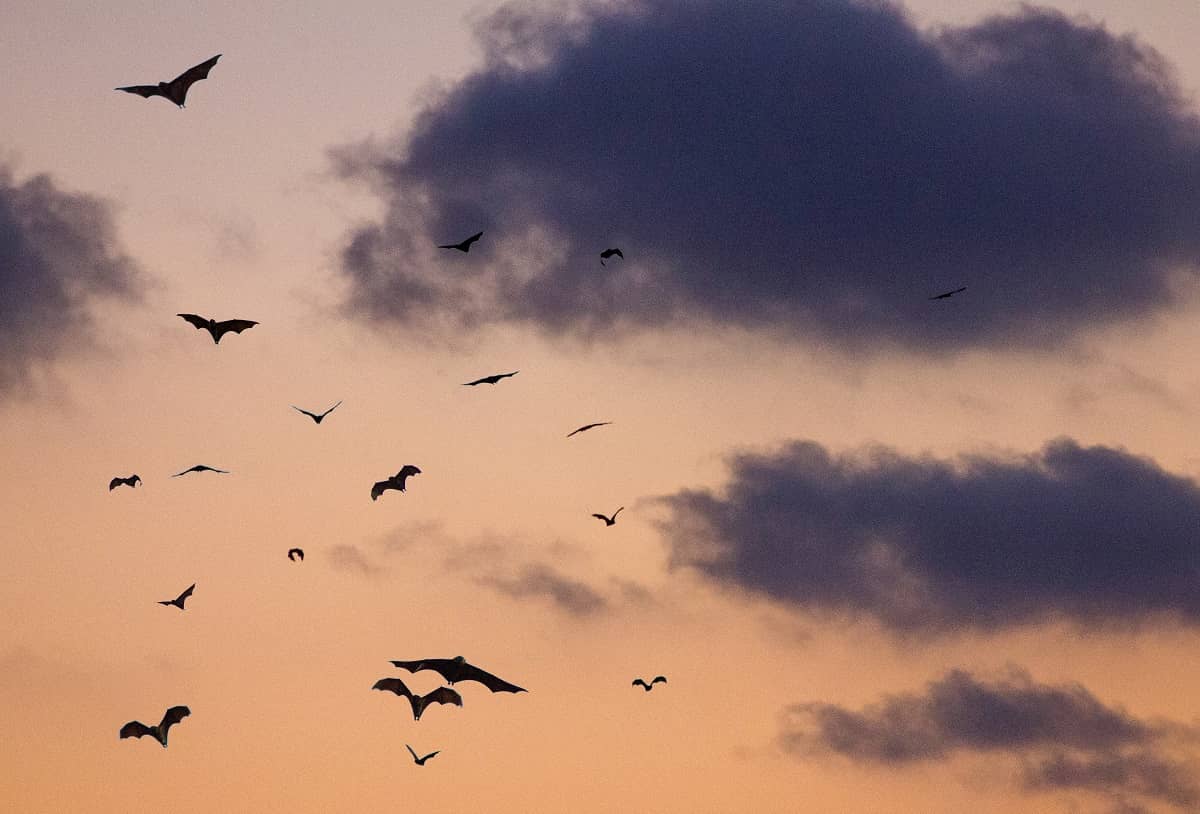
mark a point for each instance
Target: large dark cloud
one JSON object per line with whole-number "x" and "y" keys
{"x": 816, "y": 167}
{"x": 1088, "y": 534}
{"x": 1064, "y": 736}
{"x": 58, "y": 251}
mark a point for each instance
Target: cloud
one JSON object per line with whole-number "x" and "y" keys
{"x": 814, "y": 168}
{"x": 1066, "y": 738}
{"x": 543, "y": 580}
{"x": 58, "y": 253}
{"x": 347, "y": 557}
{"x": 1092, "y": 535}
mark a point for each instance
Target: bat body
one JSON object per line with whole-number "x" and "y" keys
{"x": 201, "y": 468}
{"x": 465, "y": 246}
{"x": 641, "y": 682}
{"x": 179, "y": 600}
{"x": 442, "y": 695}
{"x": 394, "y": 482}
{"x": 607, "y": 253}
{"x": 218, "y": 329}
{"x": 175, "y": 90}
{"x": 420, "y": 761}
{"x": 136, "y": 729}
{"x": 491, "y": 379}
{"x": 586, "y": 427}
{"x": 609, "y": 521}
{"x": 296, "y": 554}
{"x": 947, "y": 295}
{"x": 314, "y": 416}
{"x": 457, "y": 669}
{"x": 132, "y": 481}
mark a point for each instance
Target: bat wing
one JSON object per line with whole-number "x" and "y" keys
{"x": 195, "y": 319}
{"x": 469, "y": 672}
{"x": 658, "y": 679}
{"x": 379, "y": 488}
{"x": 411, "y": 752}
{"x": 443, "y": 695}
{"x": 135, "y": 729}
{"x": 640, "y": 682}
{"x": 431, "y": 754}
{"x": 195, "y": 73}
{"x": 173, "y": 716}
{"x": 145, "y": 91}
{"x": 114, "y": 483}
{"x": 477, "y": 381}
{"x": 467, "y": 243}
{"x": 393, "y": 685}
{"x": 331, "y": 409}
{"x": 183, "y": 596}
{"x": 600, "y": 517}
{"x": 443, "y": 666}
{"x": 235, "y": 325}
{"x": 618, "y": 511}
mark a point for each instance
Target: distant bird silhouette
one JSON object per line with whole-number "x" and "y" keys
{"x": 136, "y": 729}
{"x": 491, "y": 379}
{"x": 442, "y": 695}
{"x": 465, "y": 246}
{"x": 179, "y": 600}
{"x": 457, "y": 669}
{"x": 641, "y": 682}
{"x": 200, "y": 468}
{"x": 607, "y": 253}
{"x": 175, "y": 90}
{"x": 314, "y": 416}
{"x": 948, "y": 294}
{"x": 588, "y": 427}
{"x": 132, "y": 481}
{"x": 296, "y": 554}
{"x": 609, "y": 521}
{"x": 218, "y": 329}
{"x": 394, "y": 482}
{"x": 420, "y": 761}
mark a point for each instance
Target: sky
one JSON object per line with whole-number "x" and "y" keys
{"x": 893, "y": 554}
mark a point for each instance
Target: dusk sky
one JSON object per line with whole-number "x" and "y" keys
{"x": 895, "y": 555}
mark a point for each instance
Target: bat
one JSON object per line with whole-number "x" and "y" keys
{"x": 296, "y": 553}
{"x": 175, "y": 90}
{"x": 420, "y": 761}
{"x": 218, "y": 329}
{"x": 457, "y": 669}
{"x": 394, "y": 482}
{"x": 609, "y": 521}
{"x": 641, "y": 682}
{"x": 200, "y": 468}
{"x": 607, "y": 253}
{"x": 442, "y": 695}
{"x": 491, "y": 379}
{"x": 588, "y": 427}
{"x": 132, "y": 481}
{"x": 314, "y": 416}
{"x": 465, "y": 246}
{"x": 136, "y": 729}
{"x": 948, "y": 294}
{"x": 179, "y": 600}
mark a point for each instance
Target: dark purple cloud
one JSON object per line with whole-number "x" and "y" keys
{"x": 1093, "y": 535}
{"x": 811, "y": 167}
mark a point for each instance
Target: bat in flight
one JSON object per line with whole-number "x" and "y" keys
{"x": 947, "y": 295}
{"x": 609, "y": 521}
{"x": 464, "y": 246}
{"x": 420, "y": 761}
{"x": 179, "y": 600}
{"x": 218, "y": 329}
{"x": 641, "y": 682}
{"x": 175, "y": 90}
{"x": 457, "y": 669}
{"x": 495, "y": 377}
{"x": 314, "y": 416}
{"x": 394, "y": 482}
{"x": 607, "y": 253}
{"x": 136, "y": 729}
{"x": 442, "y": 695}
{"x": 296, "y": 554}
{"x": 200, "y": 468}
{"x": 588, "y": 427}
{"x": 132, "y": 481}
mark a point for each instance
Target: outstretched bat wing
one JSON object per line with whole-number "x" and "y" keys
{"x": 444, "y": 695}
{"x": 136, "y": 729}
{"x": 145, "y": 91}
{"x": 379, "y": 488}
{"x": 658, "y": 679}
{"x": 235, "y": 325}
{"x": 640, "y": 682}
{"x": 114, "y": 483}
{"x": 393, "y": 685}
{"x": 195, "y": 319}
{"x": 173, "y": 715}
{"x": 183, "y": 596}
{"x": 469, "y": 672}
{"x": 411, "y": 752}
{"x": 195, "y": 73}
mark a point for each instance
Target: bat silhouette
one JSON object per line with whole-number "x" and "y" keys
{"x": 296, "y": 553}
{"x": 175, "y": 90}
{"x": 442, "y": 695}
{"x": 457, "y": 669}
{"x": 609, "y": 521}
{"x": 491, "y": 379}
{"x": 132, "y": 481}
{"x": 136, "y": 729}
{"x": 200, "y": 468}
{"x": 420, "y": 761}
{"x": 588, "y": 427}
{"x": 179, "y": 600}
{"x": 607, "y": 253}
{"x": 465, "y": 246}
{"x": 394, "y": 482}
{"x": 218, "y": 329}
{"x": 948, "y": 294}
{"x": 641, "y": 682}
{"x": 314, "y": 416}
